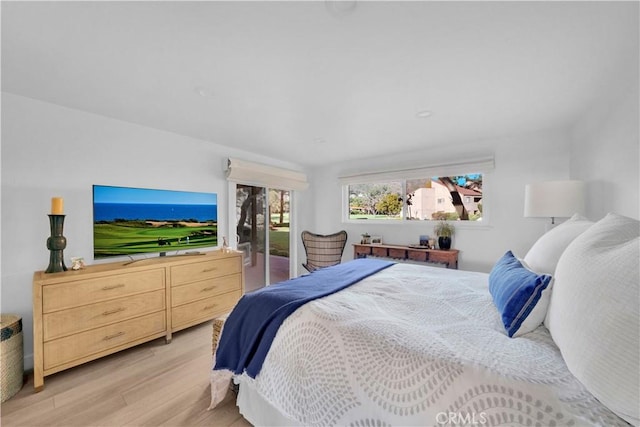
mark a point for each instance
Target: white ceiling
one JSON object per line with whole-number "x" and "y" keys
{"x": 310, "y": 83}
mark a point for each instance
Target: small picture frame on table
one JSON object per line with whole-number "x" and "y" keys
{"x": 376, "y": 240}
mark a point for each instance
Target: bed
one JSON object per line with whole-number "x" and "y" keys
{"x": 417, "y": 345}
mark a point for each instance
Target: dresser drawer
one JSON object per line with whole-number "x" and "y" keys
{"x": 205, "y": 289}
{"x": 417, "y": 255}
{"x": 66, "y": 322}
{"x": 73, "y": 294}
{"x": 204, "y": 309}
{"x": 210, "y": 269}
{"x": 444, "y": 257}
{"x": 74, "y": 347}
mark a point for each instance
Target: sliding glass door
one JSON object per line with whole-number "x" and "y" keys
{"x": 262, "y": 230}
{"x": 279, "y": 210}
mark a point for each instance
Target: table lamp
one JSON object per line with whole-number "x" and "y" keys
{"x": 554, "y": 199}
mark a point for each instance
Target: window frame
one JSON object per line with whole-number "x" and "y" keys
{"x": 482, "y": 166}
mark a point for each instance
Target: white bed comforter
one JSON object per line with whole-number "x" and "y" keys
{"x": 415, "y": 345}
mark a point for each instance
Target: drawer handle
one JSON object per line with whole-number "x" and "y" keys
{"x": 208, "y": 270}
{"x": 108, "y": 288}
{"x": 110, "y": 337}
{"x": 117, "y": 310}
{"x": 208, "y": 288}
{"x": 209, "y": 307}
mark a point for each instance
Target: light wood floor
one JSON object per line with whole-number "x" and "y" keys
{"x": 154, "y": 384}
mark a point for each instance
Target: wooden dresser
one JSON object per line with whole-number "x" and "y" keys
{"x": 83, "y": 315}
{"x": 203, "y": 290}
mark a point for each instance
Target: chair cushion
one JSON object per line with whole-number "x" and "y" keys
{"x": 323, "y": 250}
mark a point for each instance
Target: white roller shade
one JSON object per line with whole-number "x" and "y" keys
{"x": 447, "y": 169}
{"x": 246, "y": 172}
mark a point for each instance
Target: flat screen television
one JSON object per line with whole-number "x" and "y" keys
{"x": 129, "y": 221}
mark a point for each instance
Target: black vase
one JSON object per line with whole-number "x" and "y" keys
{"x": 56, "y": 243}
{"x": 444, "y": 243}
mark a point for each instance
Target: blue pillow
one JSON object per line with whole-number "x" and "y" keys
{"x": 516, "y": 292}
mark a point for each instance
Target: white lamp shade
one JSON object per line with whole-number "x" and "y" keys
{"x": 554, "y": 199}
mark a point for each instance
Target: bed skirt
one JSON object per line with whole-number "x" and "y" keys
{"x": 256, "y": 409}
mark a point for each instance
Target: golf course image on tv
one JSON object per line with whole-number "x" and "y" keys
{"x": 129, "y": 221}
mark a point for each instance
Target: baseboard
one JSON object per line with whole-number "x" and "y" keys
{"x": 28, "y": 362}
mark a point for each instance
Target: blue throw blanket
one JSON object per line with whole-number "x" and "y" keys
{"x": 253, "y": 323}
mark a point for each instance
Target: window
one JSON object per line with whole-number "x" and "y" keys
{"x": 455, "y": 197}
{"x": 376, "y": 201}
{"x": 451, "y": 191}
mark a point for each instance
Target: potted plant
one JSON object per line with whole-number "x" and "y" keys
{"x": 444, "y": 230}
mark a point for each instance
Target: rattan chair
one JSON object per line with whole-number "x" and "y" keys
{"x": 323, "y": 250}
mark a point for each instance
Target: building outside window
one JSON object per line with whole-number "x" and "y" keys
{"x": 456, "y": 197}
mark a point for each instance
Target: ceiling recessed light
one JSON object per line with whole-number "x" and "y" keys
{"x": 204, "y": 92}
{"x": 340, "y": 8}
{"x": 423, "y": 114}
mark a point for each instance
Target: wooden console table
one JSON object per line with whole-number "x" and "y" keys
{"x": 449, "y": 257}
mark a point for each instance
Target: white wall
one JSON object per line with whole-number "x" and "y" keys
{"x": 518, "y": 161}
{"x": 49, "y": 151}
{"x": 605, "y": 153}
{"x": 601, "y": 149}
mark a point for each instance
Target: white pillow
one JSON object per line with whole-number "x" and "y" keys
{"x": 594, "y": 316}
{"x": 545, "y": 253}
{"x": 539, "y": 312}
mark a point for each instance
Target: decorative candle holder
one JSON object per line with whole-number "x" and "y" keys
{"x": 56, "y": 243}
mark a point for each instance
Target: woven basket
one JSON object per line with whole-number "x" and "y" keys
{"x": 11, "y": 355}
{"x": 218, "y": 324}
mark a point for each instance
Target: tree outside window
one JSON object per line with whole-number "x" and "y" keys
{"x": 376, "y": 201}
{"x": 457, "y": 197}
